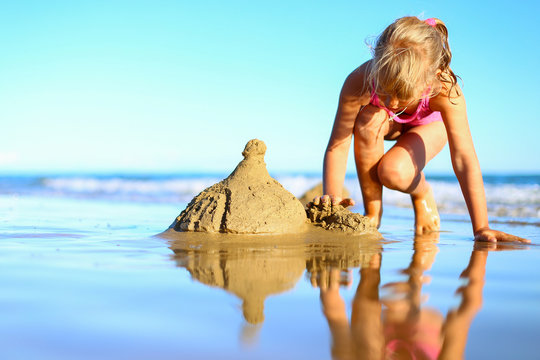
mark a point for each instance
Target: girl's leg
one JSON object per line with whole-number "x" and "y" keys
{"x": 401, "y": 169}
{"x": 366, "y": 325}
{"x": 370, "y": 129}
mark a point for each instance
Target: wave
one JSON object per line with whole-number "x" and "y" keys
{"x": 150, "y": 189}
{"x": 504, "y": 200}
{"x": 508, "y": 196}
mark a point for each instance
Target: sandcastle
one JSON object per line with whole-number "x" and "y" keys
{"x": 250, "y": 201}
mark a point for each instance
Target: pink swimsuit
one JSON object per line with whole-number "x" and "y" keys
{"x": 423, "y": 114}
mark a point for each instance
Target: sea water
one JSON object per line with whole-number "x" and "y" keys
{"x": 83, "y": 276}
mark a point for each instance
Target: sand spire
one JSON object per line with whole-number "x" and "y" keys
{"x": 248, "y": 201}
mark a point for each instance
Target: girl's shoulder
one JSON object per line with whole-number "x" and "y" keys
{"x": 359, "y": 75}
{"x": 449, "y": 95}
{"x": 356, "y": 85}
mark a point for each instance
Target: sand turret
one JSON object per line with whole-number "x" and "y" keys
{"x": 248, "y": 201}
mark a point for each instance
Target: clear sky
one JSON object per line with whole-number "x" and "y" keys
{"x": 177, "y": 86}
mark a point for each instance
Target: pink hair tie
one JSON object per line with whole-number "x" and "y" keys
{"x": 431, "y": 21}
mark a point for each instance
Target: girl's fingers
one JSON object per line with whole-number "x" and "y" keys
{"x": 347, "y": 202}
{"x": 336, "y": 200}
{"x": 513, "y": 238}
{"x": 494, "y": 236}
{"x": 504, "y": 237}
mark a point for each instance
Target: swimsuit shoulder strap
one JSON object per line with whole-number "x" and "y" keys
{"x": 374, "y": 99}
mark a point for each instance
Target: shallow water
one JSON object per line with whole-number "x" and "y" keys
{"x": 88, "y": 279}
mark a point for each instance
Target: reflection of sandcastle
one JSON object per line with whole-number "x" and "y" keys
{"x": 248, "y": 267}
{"x": 337, "y": 261}
{"x": 251, "y": 274}
{"x": 249, "y": 201}
{"x": 341, "y": 255}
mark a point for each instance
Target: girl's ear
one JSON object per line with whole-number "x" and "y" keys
{"x": 438, "y": 72}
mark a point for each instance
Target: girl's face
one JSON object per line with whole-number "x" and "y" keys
{"x": 394, "y": 104}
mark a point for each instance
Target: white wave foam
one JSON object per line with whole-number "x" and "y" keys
{"x": 298, "y": 185}
{"x": 504, "y": 200}
{"x": 111, "y": 186}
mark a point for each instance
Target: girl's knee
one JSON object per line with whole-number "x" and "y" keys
{"x": 395, "y": 175}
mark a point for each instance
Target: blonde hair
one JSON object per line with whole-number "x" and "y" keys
{"x": 407, "y": 57}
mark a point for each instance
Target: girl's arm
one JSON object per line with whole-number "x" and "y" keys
{"x": 458, "y": 322}
{"x": 465, "y": 164}
{"x": 353, "y": 96}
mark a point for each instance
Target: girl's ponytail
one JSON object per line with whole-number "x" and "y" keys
{"x": 447, "y": 75}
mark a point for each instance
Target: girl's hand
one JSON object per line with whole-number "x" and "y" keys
{"x": 489, "y": 235}
{"x": 336, "y": 200}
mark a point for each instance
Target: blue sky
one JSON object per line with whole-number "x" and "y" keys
{"x": 181, "y": 86}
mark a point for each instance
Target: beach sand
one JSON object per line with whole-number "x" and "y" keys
{"x": 90, "y": 279}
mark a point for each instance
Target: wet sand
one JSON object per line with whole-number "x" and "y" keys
{"x": 90, "y": 279}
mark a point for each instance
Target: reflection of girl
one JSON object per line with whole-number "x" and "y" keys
{"x": 408, "y": 328}
{"x": 403, "y": 330}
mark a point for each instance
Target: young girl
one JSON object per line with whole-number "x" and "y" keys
{"x": 407, "y": 93}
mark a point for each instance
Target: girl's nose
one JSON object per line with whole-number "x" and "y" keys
{"x": 391, "y": 102}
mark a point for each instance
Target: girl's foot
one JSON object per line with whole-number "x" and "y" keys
{"x": 426, "y": 216}
{"x": 374, "y": 220}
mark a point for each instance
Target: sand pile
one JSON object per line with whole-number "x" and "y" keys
{"x": 337, "y": 218}
{"x": 249, "y": 201}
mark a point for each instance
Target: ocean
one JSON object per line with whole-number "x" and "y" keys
{"x": 510, "y": 197}
{"x": 85, "y": 273}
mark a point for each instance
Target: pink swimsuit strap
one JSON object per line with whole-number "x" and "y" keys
{"x": 422, "y": 115}
{"x": 422, "y": 106}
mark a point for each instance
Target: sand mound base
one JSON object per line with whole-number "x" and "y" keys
{"x": 339, "y": 219}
